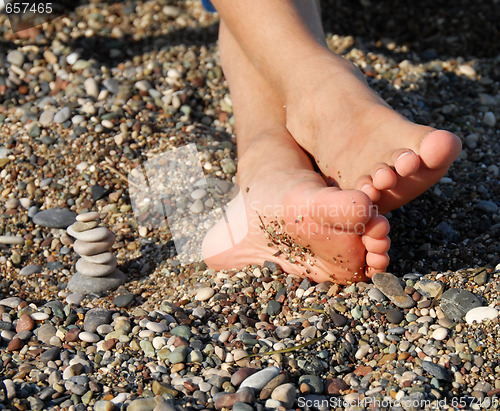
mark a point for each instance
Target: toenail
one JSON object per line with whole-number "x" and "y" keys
{"x": 366, "y": 187}
{"x": 379, "y": 170}
{"x": 403, "y": 155}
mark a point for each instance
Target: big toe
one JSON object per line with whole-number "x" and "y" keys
{"x": 439, "y": 149}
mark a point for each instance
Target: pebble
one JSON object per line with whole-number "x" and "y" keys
{"x": 102, "y": 258}
{"x": 11, "y": 302}
{"x": 11, "y": 240}
{"x": 394, "y": 315}
{"x": 83, "y": 284}
{"x": 376, "y": 295}
{"x": 440, "y": 334}
{"x": 103, "y": 405}
{"x": 46, "y": 117}
{"x": 456, "y": 302}
{"x": 243, "y": 373}
{"x": 16, "y": 58}
{"x": 267, "y": 390}
{"x": 157, "y": 327}
{"x": 204, "y": 294}
{"x": 88, "y": 337}
{"x": 435, "y": 370}
{"x": 85, "y": 248}
{"x": 31, "y": 269}
{"x": 95, "y": 270}
{"x": 55, "y": 218}
{"x": 313, "y": 381}
{"x": 225, "y": 400}
{"x": 84, "y": 226}
{"x": 25, "y": 323}
{"x": 258, "y": 380}
{"x": 480, "y": 314}
{"x": 46, "y": 332}
{"x": 94, "y": 235}
{"x": 91, "y": 87}
{"x": 75, "y": 299}
{"x": 95, "y": 317}
{"x": 62, "y": 115}
{"x": 285, "y": 394}
{"x": 241, "y": 406}
{"x": 489, "y": 119}
{"x": 123, "y": 300}
{"x": 390, "y": 286}
{"x": 428, "y": 288}
{"x": 486, "y": 206}
{"x": 90, "y": 216}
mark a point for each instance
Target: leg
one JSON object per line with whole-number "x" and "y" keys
{"x": 357, "y": 140}
{"x": 291, "y": 217}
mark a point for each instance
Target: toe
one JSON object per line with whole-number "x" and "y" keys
{"x": 406, "y": 162}
{"x": 377, "y": 261}
{"x": 378, "y": 227}
{"x": 365, "y": 184}
{"x": 439, "y": 149}
{"x": 377, "y": 245}
{"x": 384, "y": 177}
{"x": 348, "y": 207}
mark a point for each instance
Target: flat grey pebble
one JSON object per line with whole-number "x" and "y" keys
{"x": 55, "y": 218}
{"x": 30, "y": 269}
{"x": 62, "y": 115}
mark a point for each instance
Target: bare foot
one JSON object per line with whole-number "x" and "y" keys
{"x": 358, "y": 141}
{"x": 285, "y": 213}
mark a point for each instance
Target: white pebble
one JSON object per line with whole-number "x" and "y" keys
{"x": 489, "y": 119}
{"x": 198, "y": 194}
{"x": 39, "y": 316}
{"x": 159, "y": 342}
{"x": 157, "y": 327}
{"x": 440, "y": 334}
{"x": 204, "y": 294}
{"x": 10, "y": 388}
{"x": 480, "y": 314}
{"x": 88, "y": 337}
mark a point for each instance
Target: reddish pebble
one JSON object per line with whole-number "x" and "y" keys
{"x": 363, "y": 370}
{"x": 72, "y": 335}
{"x": 335, "y": 386}
{"x": 25, "y": 323}
{"x": 15, "y": 345}
{"x": 109, "y": 344}
{"x": 239, "y": 376}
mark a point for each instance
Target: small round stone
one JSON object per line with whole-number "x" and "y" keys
{"x": 91, "y": 216}
{"x": 102, "y": 258}
{"x": 88, "y": 337}
{"x": 204, "y": 294}
{"x": 85, "y": 248}
{"x": 440, "y": 334}
{"x": 95, "y": 270}
{"x": 93, "y": 235}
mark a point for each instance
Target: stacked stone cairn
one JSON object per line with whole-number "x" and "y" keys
{"x": 96, "y": 271}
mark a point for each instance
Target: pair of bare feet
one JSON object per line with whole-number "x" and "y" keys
{"x": 320, "y": 220}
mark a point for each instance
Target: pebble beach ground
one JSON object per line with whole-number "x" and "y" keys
{"x": 89, "y": 97}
